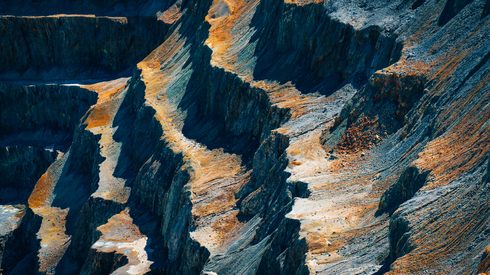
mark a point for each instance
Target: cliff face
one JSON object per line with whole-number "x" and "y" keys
{"x": 50, "y": 47}
{"x": 245, "y": 137}
{"x": 98, "y": 7}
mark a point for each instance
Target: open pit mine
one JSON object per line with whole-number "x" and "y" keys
{"x": 236, "y": 137}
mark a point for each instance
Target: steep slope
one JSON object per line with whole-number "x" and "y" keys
{"x": 257, "y": 137}
{"x": 49, "y": 47}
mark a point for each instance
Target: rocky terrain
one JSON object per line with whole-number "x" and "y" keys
{"x": 245, "y": 137}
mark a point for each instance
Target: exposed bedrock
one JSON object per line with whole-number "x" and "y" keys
{"x": 276, "y": 246}
{"x": 170, "y": 202}
{"x": 94, "y": 212}
{"x": 272, "y": 160}
{"x": 35, "y": 122}
{"x": 378, "y": 110}
{"x": 138, "y": 131}
{"x": 216, "y": 103}
{"x": 409, "y": 182}
{"x": 276, "y": 240}
{"x": 20, "y": 250}
{"x": 79, "y": 176}
{"x": 98, "y": 7}
{"x": 211, "y": 158}
{"x": 159, "y": 188}
{"x": 21, "y": 167}
{"x": 77, "y": 179}
{"x": 41, "y": 115}
{"x": 269, "y": 195}
{"x": 50, "y": 48}
{"x": 326, "y": 53}
{"x": 102, "y": 263}
{"x": 451, "y": 9}
{"x": 431, "y": 209}
{"x": 227, "y": 112}
{"x": 81, "y": 179}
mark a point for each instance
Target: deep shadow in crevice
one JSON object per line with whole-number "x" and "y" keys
{"x": 94, "y": 213}
{"x": 409, "y": 182}
{"x": 149, "y": 225}
{"x": 20, "y": 250}
{"x": 102, "y": 263}
{"x": 20, "y": 169}
{"x": 79, "y": 176}
{"x": 325, "y": 58}
{"x": 97, "y": 7}
{"x": 417, "y": 3}
{"x": 227, "y": 112}
{"x": 137, "y": 130}
{"x": 110, "y": 46}
{"x": 451, "y": 9}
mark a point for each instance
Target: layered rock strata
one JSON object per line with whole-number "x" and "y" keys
{"x": 257, "y": 137}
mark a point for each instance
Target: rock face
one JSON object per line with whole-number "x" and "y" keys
{"x": 244, "y": 137}
{"x": 50, "y": 47}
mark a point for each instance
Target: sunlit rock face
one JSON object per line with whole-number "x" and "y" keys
{"x": 245, "y": 137}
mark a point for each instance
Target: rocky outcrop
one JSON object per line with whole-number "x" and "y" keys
{"x": 36, "y": 121}
{"x": 21, "y": 167}
{"x": 103, "y": 263}
{"x": 10, "y": 217}
{"x": 50, "y": 48}
{"x": 257, "y": 137}
{"x": 410, "y": 181}
{"x": 267, "y": 183}
{"x": 378, "y": 110}
{"x": 106, "y": 7}
{"x": 327, "y": 53}
{"x": 41, "y": 115}
{"x": 20, "y": 249}
{"x": 94, "y": 213}
{"x": 228, "y": 113}
{"x": 451, "y": 9}
{"x": 80, "y": 177}
{"x": 138, "y": 131}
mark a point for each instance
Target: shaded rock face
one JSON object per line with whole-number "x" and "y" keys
{"x": 451, "y": 9}
{"x": 325, "y": 58}
{"x": 36, "y": 122}
{"x": 138, "y": 131}
{"x": 106, "y": 7}
{"x": 228, "y": 113}
{"x": 50, "y": 48}
{"x": 21, "y": 167}
{"x": 42, "y": 115}
{"x": 270, "y": 179}
{"x": 93, "y": 213}
{"x": 79, "y": 176}
{"x": 410, "y": 181}
{"x": 20, "y": 249}
{"x": 404, "y": 234}
{"x": 250, "y": 137}
{"x": 486, "y": 10}
{"x": 379, "y": 109}
{"x": 103, "y": 263}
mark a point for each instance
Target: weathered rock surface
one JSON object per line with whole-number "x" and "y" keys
{"x": 66, "y": 47}
{"x": 98, "y": 7}
{"x": 245, "y": 137}
{"x": 21, "y": 167}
